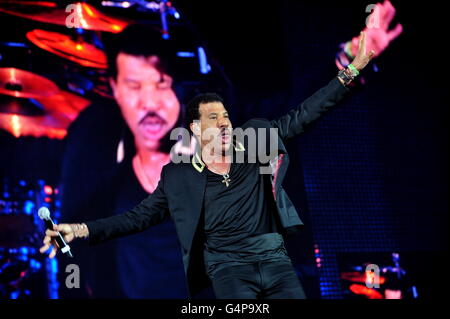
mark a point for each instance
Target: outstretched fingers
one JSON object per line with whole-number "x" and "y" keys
{"x": 53, "y": 252}
{"x": 387, "y": 14}
{"x": 51, "y": 233}
{"x": 362, "y": 44}
{"x": 394, "y": 33}
{"x": 44, "y": 248}
{"x": 49, "y": 242}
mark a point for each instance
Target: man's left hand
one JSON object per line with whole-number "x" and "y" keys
{"x": 362, "y": 58}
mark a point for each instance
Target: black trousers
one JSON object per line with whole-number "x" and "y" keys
{"x": 261, "y": 280}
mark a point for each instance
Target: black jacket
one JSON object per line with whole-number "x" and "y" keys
{"x": 182, "y": 186}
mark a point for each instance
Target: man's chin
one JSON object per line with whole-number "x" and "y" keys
{"x": 153, "y": 135}
{"x": 226, "y": 147}
{"x": 152, "y": 141}
{"x": 152, "y": 145}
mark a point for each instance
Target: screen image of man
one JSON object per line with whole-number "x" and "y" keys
{"x": 114, "y": 155}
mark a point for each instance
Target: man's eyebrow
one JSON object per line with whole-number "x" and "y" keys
{"x": 131, "y": 80}
{"x": 163, "y": 77}
{"x": 214, "y": 113}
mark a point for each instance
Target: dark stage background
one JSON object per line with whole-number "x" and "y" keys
{"x": 370, "y": 178}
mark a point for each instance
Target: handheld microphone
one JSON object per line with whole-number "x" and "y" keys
{"x": 44, "y": 214}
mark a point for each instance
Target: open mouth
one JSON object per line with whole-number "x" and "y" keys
{"x": 225, "y": 135}
{"x": 152, "y": 124}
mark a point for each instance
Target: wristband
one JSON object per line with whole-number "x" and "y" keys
{"x": 353, "y": 69}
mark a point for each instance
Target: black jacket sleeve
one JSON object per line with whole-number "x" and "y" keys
{"x": 294, "y": 121}
{"x": 149, "y": 212}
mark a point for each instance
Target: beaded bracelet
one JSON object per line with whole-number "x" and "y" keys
{"x": 80, "y": 230}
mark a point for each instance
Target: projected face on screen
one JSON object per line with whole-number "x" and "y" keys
{"x": 146, "y": 98}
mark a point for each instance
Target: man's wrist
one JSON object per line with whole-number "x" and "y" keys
{"x": 346, "y": 76}
{"x": 354, "y": 69}
{"x": 80, "y": 230}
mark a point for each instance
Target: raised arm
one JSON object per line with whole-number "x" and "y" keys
{"x": 312, "y": 108}
{"x": 295, "y": 121}
{"x": 149, "y": 212}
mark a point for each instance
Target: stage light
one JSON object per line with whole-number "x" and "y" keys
{"x": 28, "y": 207}
{"x": 48, "y": 190}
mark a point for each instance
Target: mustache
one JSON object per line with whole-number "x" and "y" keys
{"x": 153, "y": 115}
{"x": 225, "y": 130}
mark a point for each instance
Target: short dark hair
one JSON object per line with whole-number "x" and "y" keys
{"x": 192, "y": 110}
{"x": 140, "y": 40}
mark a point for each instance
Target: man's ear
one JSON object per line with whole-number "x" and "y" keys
{"x": 195, "y": 127}
{"x": 113, "y": 85}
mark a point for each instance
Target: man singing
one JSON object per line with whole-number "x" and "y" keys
{"x": 229, "y": 216}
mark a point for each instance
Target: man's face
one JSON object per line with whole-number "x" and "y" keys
{"x": 146, "y": 98}
{"x": 215, "y": 128}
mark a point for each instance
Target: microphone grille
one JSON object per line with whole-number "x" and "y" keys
{"x": 44, "y": 213}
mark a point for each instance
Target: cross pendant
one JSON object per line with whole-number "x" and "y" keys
{"x": 226, "y": 179}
